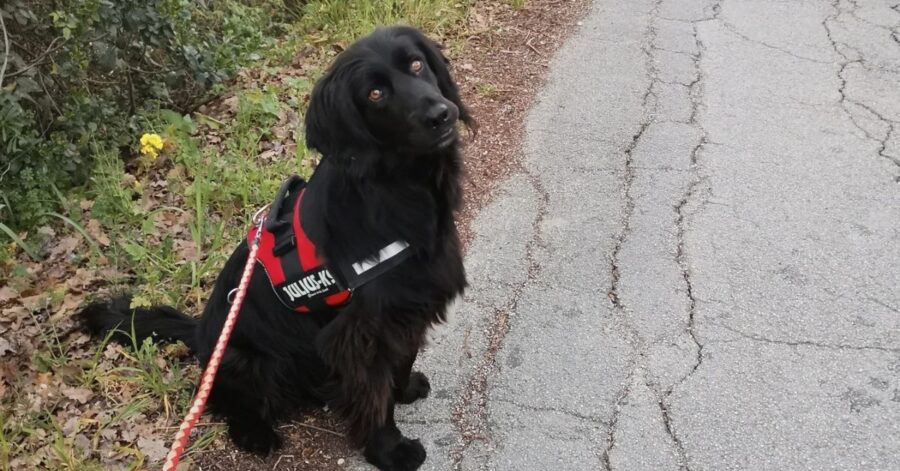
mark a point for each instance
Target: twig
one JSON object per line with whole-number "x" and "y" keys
{"x": 202, "y": 424}
{"x": 206, "y": 116}
{"x": 8, "y": 166}
{"x": 6, "y": 53}
{"x": 314, "y": 428}
{"x": 40, "y": 59}
{"x": 279, "y": 460}
{"x": 47, "y": 92}
{"x": 131, "y": 106}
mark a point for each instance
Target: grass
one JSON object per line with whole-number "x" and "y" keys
{"x": 19, "y": 242}
{"x": 517, "y": 4}
{"x": 171, "y": 223}
{"x": 486, "y": 89}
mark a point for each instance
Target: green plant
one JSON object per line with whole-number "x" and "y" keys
{"x": 81, "y": 71}
{"x": 486, "y": 89}
{"x": 341, "y": 21}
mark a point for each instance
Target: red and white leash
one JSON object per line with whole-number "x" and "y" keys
{"x": 209, "y": 374}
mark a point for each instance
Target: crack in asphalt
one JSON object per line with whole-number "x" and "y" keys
{"x": 628, "y": 179}
{"x": 842, "y": 88}
{"x": 696, "y": 92}
{"x": 731, "y": 28}
{"x": 614, "y": 421}
{"x": 853, "y": 12}
{"x": 807, "y": 343}
{"x": 883, "y": 304}
{"x": 696, "y": 95}
{"x": 469, "y": 414}
{"x": 629, "y": 330}
{"x": 586, "y": 418}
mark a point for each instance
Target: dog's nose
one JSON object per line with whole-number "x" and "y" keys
{"x": 437, "y": 115}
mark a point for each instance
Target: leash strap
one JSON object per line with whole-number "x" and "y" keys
{"x": 209, "y": 374}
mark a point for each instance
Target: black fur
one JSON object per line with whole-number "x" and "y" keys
{"x": 390, "y": 172}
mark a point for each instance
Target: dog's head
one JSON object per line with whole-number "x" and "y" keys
{"x": 391, "y": 90}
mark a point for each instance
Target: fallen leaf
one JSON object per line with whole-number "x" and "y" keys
{"x": 231, "y": 103}
{"x": 69, "y": 303}
{"x": 82, "y": 395}
{"x": 5, "y": 347}
{"x": 112, "y": 352}
{"x": 95, "y": 229}
{"x": 66, "y": 246}
{"x": 80, "y": 279}
{"x": 13, "y": 313}
{"x": 128, "y": 180}
{"x": 7, "y": 293}
{"x": 109, "y": 433}
{"x": 269, "y": 154}
{"x": 186, "y": 249}
{"x": 153, "y": 448}
{"x": 36, "y": 302}
{"x": 46, "y": 231}
{"x": 83, "y": 443}
{"x": 71, "y": 425}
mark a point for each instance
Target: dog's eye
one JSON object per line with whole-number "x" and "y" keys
{"x": 375, "y": 95}
{"x": 415, "y": 66}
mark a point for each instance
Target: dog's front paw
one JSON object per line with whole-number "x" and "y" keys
{"x": 255, "y": 438}
{"x": 407, "y": 455}
{"x": 418, "y": 388}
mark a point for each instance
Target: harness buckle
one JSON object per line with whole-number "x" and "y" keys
{"x": 259, "y": 215}
{"x": 284, "y": 244}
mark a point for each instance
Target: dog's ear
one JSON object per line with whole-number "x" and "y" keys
{"x": 334, "y": 124}
{"x": 439, "y": 63}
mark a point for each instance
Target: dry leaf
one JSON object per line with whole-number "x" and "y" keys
{"x": 153, "y": 448}
{"x": 69, "y": 304}
{"x": 36, "y": 302}
{"x": 7, "y": 293}
{"x": 5, "y": 347}
{"x": 231, "y": 103}
{"x": 83, "y": 443}
{"x": 66, "y": 246}
{"x": 80, "y": 279}
{"x": 82, "y": 395}
{"x": 128, "y": 180}
{"x": 186, "y": 249}
{"x": 96, "y": 231}
{"x": 269, "y": 154}
{"x": 13, "y": 313}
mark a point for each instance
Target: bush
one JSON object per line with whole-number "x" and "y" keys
{"x": 80, "y": 72}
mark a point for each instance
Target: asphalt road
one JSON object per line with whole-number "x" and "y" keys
{"x": 698, "y": 265}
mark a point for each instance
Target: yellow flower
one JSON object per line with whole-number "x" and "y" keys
{"x": 151, "y": 144}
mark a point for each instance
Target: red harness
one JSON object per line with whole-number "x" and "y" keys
{"x": 299, "y": 277}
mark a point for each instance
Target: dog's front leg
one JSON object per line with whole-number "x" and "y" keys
{"x": 388, "y": 449}
{"x": 365, "y": 363}
{"x": 409, "y": 385}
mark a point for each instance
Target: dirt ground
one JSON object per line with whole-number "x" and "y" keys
{"x": 499, "y": 70}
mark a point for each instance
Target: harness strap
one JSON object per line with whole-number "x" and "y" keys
{"x": 300, "y": 278}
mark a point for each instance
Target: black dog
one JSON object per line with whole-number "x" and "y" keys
{"x": 384, "y": 118}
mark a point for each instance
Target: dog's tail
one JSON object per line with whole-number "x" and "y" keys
{"x": 127, "y": 325}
